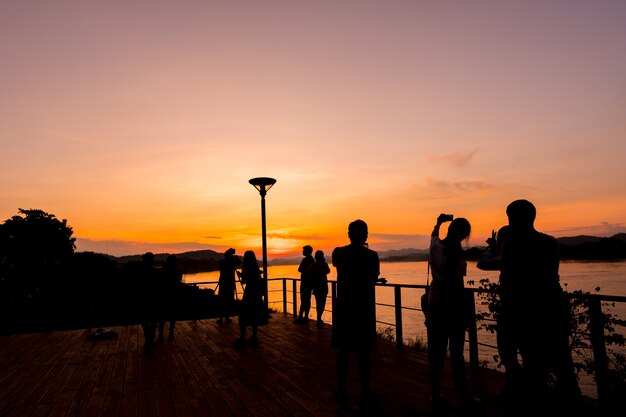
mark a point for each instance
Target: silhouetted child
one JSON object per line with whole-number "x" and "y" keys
{"x": 305, "y": 285}
{"x": 171, "y": 287}
{"x": 252, "y": 301}
{"x": 318, "y": 273}
{"x": 226, "y": 284}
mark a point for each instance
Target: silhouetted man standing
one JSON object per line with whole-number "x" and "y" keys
{"x": 227, "y": 285}
{"x": 149, "y": 299}
{"x": 306, "y": 287}
{"x": 530, "y": 266}
{"x": 354, "y": 320}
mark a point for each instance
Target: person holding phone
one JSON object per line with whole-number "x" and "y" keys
{"x": 447, "y": 315}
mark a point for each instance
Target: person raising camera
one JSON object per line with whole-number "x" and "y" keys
{"x": 447, "y": 315}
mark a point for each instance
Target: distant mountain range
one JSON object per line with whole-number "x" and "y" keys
{"x": 575, "y": 247}
{"x": 197, "y": 255}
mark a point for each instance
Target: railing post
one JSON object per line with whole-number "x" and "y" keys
{"x": 333, "y": 298}
{"x": 472, "y": 332}
{"x": 397, "y": 292}
{"x": 295, "y": 297}
{"x": 599, "y": 348}
{"x": 284, "y": 295}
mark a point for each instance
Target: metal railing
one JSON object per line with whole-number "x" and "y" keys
{"x": 595, "y": 301}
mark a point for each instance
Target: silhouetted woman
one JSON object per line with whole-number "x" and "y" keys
{"x": 447, "y": 315}
{"x": 318, "y": 273}
{"x": 252, "y": 301}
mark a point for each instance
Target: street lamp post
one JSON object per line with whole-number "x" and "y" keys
{"x": 263, "y": 184}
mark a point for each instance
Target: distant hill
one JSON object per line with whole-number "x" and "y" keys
{"x": 594, "y": 248}
{"x": 403, "y": 255}
{"x": 194, "y": 261}
{"x": 160, "y": 257}
{"x": 578, "y": 240}
{"x": 581, "y": 247}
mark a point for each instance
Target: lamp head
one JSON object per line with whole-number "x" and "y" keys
{"x": 262, "y": 184}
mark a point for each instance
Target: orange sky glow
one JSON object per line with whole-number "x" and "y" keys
{"x": 142, "y": 122}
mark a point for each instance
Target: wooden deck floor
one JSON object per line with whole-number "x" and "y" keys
{"x": 200, "y": 373}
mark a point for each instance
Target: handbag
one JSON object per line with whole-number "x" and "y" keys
{"x": 424, "y": 298}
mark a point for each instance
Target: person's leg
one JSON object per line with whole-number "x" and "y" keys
{"x": 563, "y": 366}
{"x": 343, "y": 358}
{"x": 253, "y": 339}
{"x": 507, "y": 350}
{"x": 437, "y": 344}
{"x": 457, "y": 361}
{"x": 535, "y": 369}
{"x": 161, "y": 329}
{"x": 320, "y": 305}
{"x": 172, "y": 326}
{"x": 302, "y": 302}
{"x": 365, "y": 370}
{"x": 242, "y": 331}
{"x": 306, "y": 302}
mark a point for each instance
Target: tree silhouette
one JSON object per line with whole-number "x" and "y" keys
{"x": 35, "y": 249}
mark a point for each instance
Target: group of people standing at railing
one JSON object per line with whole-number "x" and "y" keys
{"x": 313, "y": 281}
{"x": 252, "y": 312}
{"x": 160, "y": 298}
{"x": 532, "y": 319}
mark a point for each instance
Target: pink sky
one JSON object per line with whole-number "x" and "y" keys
{"x": 141, "y": 122}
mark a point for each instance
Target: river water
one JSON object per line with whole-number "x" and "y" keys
{"x": 609, "y": 277}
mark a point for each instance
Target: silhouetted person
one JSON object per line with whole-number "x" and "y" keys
{"x": 318, "y": 273}
{"x": 507, "y": 348}
{"x": 539, "y": 311}
{"x": 170, "y": 287}
{"x": 448, "y": 313}
{"x": 252, "y": 304}
{"x": 226, "y": 284}
{"x": 148, "y": 299}
{"x": 306, "y": 287}
{"x": 354, "y": 320}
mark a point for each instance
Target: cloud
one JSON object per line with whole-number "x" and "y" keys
{"x": 290, "y": 236}
{"x": 601, "y": 230}
{"x": 441, "y": 189}
{"x": 455, "y": 159}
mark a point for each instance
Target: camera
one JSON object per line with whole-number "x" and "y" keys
{"x": 447, "y": 217}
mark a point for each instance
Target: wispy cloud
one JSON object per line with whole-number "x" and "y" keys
{"x": 291, "y": 236}
{"x": 602, "y": 229}
{"x": 455, "y": 159}
{"x": 435, "y": 189}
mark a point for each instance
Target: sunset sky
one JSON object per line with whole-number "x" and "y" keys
{"x": 141, "y": 122}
